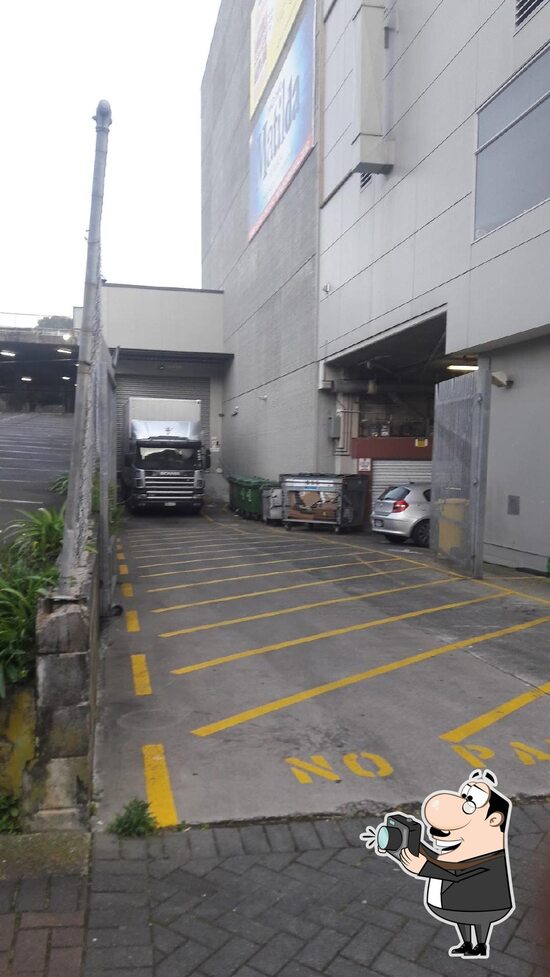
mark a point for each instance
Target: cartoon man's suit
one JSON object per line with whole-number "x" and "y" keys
{"x": 467, "y": 872}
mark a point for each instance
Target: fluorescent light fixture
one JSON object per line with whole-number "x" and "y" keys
{"x": 462, "y": 367}
{"x": 27, "y": 379}
{"x": 65, "y": 378}
{"x": 6, "y": 352}
{"x": 68, "y": 351}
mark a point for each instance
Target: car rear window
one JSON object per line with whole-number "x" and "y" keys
{"x": 395, "y": 492}
{"x": 428, "y": 495}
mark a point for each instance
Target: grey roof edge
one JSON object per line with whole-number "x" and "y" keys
{"x": 163, "y": 288}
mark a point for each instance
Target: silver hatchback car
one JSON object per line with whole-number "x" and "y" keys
{"x": 403, "y": 511}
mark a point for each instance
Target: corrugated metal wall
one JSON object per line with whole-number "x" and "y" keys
{"x": 391, "y": 472}
{"x": 183, "y": 388}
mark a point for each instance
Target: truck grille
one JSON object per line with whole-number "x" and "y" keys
{"x": 169, "y": 486}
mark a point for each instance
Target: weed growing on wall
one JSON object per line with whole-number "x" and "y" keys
{"x": 9, "y": 815}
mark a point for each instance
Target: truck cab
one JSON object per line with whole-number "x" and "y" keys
{"x": 164, "y": 464}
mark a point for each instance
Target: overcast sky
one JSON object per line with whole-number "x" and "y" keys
{"x": 57, "y": 60}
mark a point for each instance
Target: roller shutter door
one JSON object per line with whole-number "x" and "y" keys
{"x": 386, "y": 473}
{"x": 184, "y": 388}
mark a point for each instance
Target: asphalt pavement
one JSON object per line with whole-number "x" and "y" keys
{"x": 258, "y": 674}
{"x": 34, "y": 449}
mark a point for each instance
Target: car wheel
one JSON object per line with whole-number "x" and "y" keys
{"x": 394, "y": 539}
{"x": 421, "y": 533}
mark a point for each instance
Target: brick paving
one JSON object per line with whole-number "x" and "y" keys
{"x": 296, "y": 900}
{"x": 42, "y": 924}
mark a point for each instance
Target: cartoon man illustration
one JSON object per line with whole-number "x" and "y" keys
{"x": 467, "y": 872}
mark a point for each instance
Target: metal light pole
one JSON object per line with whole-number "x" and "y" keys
{"x": 80, "y": 481}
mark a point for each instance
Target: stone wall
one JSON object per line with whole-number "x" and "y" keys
{"x": 17, "y": 737}
{"x": 57, "y": 785}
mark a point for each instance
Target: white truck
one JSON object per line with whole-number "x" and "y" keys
{"x": 164, "y": 459}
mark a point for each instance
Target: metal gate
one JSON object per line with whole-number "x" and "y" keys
{"x": 459, "y": 469}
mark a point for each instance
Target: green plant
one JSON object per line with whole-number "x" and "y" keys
{"x": 9, "y": 814}
{"x": 38, "y": 536}
{"x": 135, "y": 821}
{"x": 20, "y": 590}
{"x": 60, "y": 484}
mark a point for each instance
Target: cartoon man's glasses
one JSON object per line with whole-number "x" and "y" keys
{"x": 474, "y": 797}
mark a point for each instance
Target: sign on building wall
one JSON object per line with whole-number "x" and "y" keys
{"x": 282, "y": 135}
{"x": 270, "y": 24}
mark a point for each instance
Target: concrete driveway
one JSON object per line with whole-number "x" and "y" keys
{"x": 34, "y": 449}
{"x": 258, "y": 673}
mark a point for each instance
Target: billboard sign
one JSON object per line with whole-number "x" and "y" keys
{"x": 282, "y": 135}
{"x": 270, "y": 24}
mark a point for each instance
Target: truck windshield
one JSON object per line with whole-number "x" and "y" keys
{"x": 167, "y": 458}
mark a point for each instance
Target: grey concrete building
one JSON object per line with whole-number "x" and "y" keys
{"x": 407, "y": 232}
{"x": 168, "y": 343}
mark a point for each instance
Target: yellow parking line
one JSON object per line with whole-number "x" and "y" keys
{"x": 175, "y": 556}
{"x": 494, "y": 715}
{"x": 323, "y": 635}
{"x": 132, "y": 622}
{"x": 172, "y": 548}
{"x": 140, "y": 672}
{"x": 234, "y": 566}
{"x": 255, "y": 576}
{"x": 514, "y": 592}
{"x": 282, "y": 590}
{"x": 175, "y": 540}
{"x": 233, "y": 554}
{"x": 343, "y": 683}
{"x": 300, "y": 607}
{"x": 181, "y": 549}
{"x": 127, "y": 590}
{"x": 405, "y": 559}
{"x": 120, "y": 555}
{"x": 123, "y": 570}
{"x": 158, "y": 786}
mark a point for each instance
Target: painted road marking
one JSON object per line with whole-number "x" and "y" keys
{"x": 127, "y": 590}
{"x": 303, "y": 607}
{"x": 140, "y": 672}
{"x": 132, "y": 622}
{"x": 234, "y": 554}
{"x": 19, "y": 501}
{"x": 320, "y": 767}
{"x": 209, "y": 542}
{"x": 282, "y": 590}
{"x": 291, "y": 700}
{"x": 516, "y": 593}
{"x": 323, "y": 635}
{"x": 255, "y": 576}
{"x": 174, "y": 542}
{"x": 120, "y": 555}
{"x": 234, "y": 566}
{"x": 158, "y": 786}
{"x": 421, "y": 563}
{"x": 123, "y": 570}
{"x": 461, "y": 733}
